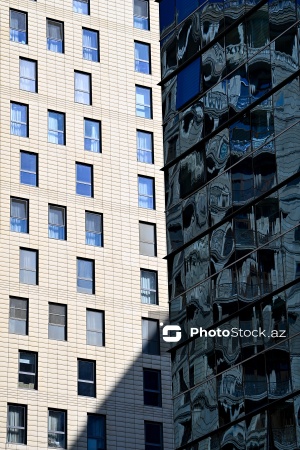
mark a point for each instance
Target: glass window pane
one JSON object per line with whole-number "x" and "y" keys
{"x": 18, "y": 26}
{"x": 150, "y": 337}
{"x": 18, "y": 124}
{"x": 16, "y": 424}
{"x": 84, "y": 180}
{"x": 55, "y": 36}
{"x": 85, "y": 276}
{"x": 92, "y": 135}
{"x": 90, "y": 45}
{"x": 56, "y": 429}
{"x": 28, "y": 169}
{"x": 144, "y": 147}
{"x": 19, "y": 215}
{"x": 81, "y": 6}
{"x": 146, "y": 192}
{"x": 28, "y": 266}
{"x": 27, "y": 75}
{"x": 57, "y": 225}
{"x": 143, "y": 102}
{"x": 18, "y": 316}
{"x": 148, "y": 287}
{"x": 140, "y": 14}
{"x": 142, "y": 57}
{"x": 82, "y": 88}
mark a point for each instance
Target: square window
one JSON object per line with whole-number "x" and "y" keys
{"x": 84, "y": 180}
{"x": 147, "y": 239}
{"x": 55, "y": 36}
{"x": 143, "y": 102}
{"x": 152, "y": 387}
{"x": 82, "y": 88}
{"x": 28, "y": 168}
{"x": 142, "y": 57}
{"x": 81, "y": 6}
{"x": 27, "y": 370}
{"x": 19, "y": 119}
{"x": 85, "y": 276}
{"x": 144, "y": 147}
{"x": 57, "y": 222}
{"x": 56, "y": 127}
{"x": 28, "y": 75}
{"x": 57, "y": 420}
{"x": 57, "y": 327}
{"x": 93, "y": 229}
{"x": 96, "y": 432}
{"x": 153, "y": 436}
{"x": 141, "y": 14}
{"x": 18, "y": 315}
{"x": 28, "y": 266}
{"x": 146, "y": 192}
{"x": 150, "y": 337}
{"x": 149, "y": 287}
{"x": 94, "y": 327}
{"x": 92, "y": 135}
{"x": 90, "y": 44}
{"x": 18, "y": 26}
{"x": 19, "y": 215}
{"x": 16, "y": 424}
{"x": 86, "y": 378}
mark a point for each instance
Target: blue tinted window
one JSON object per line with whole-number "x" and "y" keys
{"x": 56, "y": 127}
{"x": 144, "y": 147}
{"x": 18, "y": 26}
{"x": 93, "y": 229}
{"x": 90, "y": 45}
{"x": 166, "y": 14}
{"x": 55, "y": 36}
{"x": 84, "y": 180}
{"x": 28, "y": 169}
{"x": 92, "y": 135}
{"x": 188, "y": 83}
{"x": 57, "y": 222}
{"x": 185, "y": 8}
{"x": 141, "y": 14}
{"x": 81, "y": 6}
{"x": 142, "y": 57}
{"x": 143, "y": 102}
{"x": 96, "y": 433}
{"x": 19, "y": 215}
{"x": 85, "y": 276}
{"x": 18, "y": 123}
{"x": 146, "y": 192}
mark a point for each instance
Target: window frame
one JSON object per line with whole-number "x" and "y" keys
{"x": 148, "y": 390}
{"x": 91, "y": 48}
{"x": 64, "y": 433}
{"x": 102, "y": 313}
{"x": 144, "y": 105}
{"x": 34, "y": 374}
{"x": 20, "y": 123}
{"x": 91, "y": 184}
{"x": 35, "y": 62}
{"x": 89, "y": 75}
{"x": 147, "y": 340}
{"x": 36, "y": 264}
{"x": 150, "y": 290}
{"x": 79, "y": 380}
{"x": 146, "y": 44}
{"x": 146, "y": 19}
{"x": 95, "y": 437}
{"x": 88, "y": 7}
{"x": 101, "y": 237}
{"x": 159, "y": 446}
{"x": 62, "y": 25}
{"x": 98, "y": 122}
{"x": 93, "y": 290}
{"x": 151, "y": 151}
{"x": 26, "y": 202}
{"x": 64, "y": 227}
{"x": 64, "y": 327}
{"x": 26, "y": 24}
{"x": 26, "y": 302}
{"x": 24, "y": 407}
{"x": 146, "y": 196}
{"x": 141, "y": 222}
{"x": 57, "y": 131}
{"x": 24, "y": 152}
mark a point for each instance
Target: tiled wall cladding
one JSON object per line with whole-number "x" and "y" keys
{"x": 231, "y": 102}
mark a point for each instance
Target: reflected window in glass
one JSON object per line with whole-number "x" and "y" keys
{"x": 144, "y": 147}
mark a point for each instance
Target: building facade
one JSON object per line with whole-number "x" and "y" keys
{"x": 231, "y": 113}
{"x": 82, "y": 228}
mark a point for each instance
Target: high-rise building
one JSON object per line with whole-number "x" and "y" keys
{"x": 82, "y": 228}
{"x": 231, "y": 118}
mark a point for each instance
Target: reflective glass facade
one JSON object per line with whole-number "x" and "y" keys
{"x": 231, "y": 112}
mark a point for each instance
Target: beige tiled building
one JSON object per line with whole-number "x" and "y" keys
{"x": 82, "y": 228}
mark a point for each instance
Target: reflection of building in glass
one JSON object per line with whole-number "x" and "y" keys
{"x": 231, "y": 111}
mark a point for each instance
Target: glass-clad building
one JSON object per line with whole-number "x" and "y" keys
{"x": 231, "y": 118}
